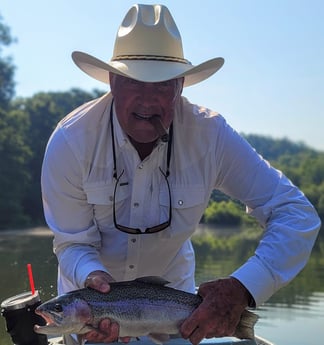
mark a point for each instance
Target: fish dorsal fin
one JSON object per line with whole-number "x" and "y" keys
{"x": 153, "y": 280}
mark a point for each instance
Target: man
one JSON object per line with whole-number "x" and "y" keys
{"x": 123, "y": 203}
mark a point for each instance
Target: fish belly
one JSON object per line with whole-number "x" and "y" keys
{"x": 148, "y": 318}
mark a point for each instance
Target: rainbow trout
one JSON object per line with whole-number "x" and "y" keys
{"x": 142, "y": 307}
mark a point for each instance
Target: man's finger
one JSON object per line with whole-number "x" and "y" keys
{"x": 105, "y": 325}
{"x": 189, "y": 325}
{"x": 197, "y": 336}
{"x": 98, "y": 280}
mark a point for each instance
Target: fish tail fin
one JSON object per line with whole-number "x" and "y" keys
{"x": 81, "y": 340}
{"x": 245, "y": 328}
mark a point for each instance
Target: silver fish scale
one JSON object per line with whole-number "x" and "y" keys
{"x": 137, "y": 290}
{"x": 140, "y": 307}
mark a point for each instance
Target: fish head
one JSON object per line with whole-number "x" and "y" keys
{"x": 65, "y": 314}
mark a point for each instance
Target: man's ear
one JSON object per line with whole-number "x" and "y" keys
{"x": 182, "y": 82}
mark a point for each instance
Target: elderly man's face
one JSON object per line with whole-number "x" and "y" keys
{"x": 136, "y": 102}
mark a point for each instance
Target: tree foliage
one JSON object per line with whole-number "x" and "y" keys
{"x": 14, "y": 177}
{"x": 43, "y": 111}
{"x": 7, "y": 84}
{"x": 303, "y": 165}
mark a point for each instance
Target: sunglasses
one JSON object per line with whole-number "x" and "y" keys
{"x": 137, "y": 231}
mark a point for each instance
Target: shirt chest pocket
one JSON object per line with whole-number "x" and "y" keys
{"x": 103, "y": 194}
{"x": 183, "y": 197}
{"x": 188, "y": 204}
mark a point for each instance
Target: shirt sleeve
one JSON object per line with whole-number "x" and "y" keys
{"x": 68, "y": 214}
{"x": 290, "y": 222}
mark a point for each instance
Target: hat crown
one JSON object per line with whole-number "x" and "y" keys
{"x": 148, "y": 48}
{"x": 148, "y": 32}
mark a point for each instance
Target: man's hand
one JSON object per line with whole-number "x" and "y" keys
{"x": 99, "y": 280}
{"x": 108, "y": 331}
{"x": 224, "y": 300}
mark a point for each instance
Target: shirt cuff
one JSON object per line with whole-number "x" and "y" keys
{"x": 257, "y": 279}
{"x": 85, "y": 267}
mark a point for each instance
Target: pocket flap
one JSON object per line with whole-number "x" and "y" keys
{"x": 183, "y": 197}
{"x": 102, "y": 194}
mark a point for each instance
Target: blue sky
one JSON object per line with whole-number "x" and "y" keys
{"x": 272, "y": 82}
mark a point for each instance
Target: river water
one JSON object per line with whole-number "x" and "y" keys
{"x": 293, "y": 316}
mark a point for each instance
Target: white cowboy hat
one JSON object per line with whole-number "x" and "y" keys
{"x": 148, "y": 48}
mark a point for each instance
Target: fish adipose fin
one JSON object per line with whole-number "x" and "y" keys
{"x": 245, "y": 328}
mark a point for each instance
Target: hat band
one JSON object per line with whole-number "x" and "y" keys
{"x": 150, "y": 57}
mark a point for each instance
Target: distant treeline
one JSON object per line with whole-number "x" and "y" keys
{"x": 25, "y": 127}
{"x": 303, "y": 165}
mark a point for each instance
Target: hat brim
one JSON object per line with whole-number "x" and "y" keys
{"x": 146, "y": 70}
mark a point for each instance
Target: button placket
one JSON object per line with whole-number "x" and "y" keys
{"x": 133, "y": 254}
{"x": 136, "y": 214}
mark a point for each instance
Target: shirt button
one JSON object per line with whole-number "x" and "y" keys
{"x": 111, "y": 198}
{"x": 136, "y": 204}
{"x": 180, "y": 202}
{"x": 131, "y": 266}
{"x": 140, "y": 166}
{"x": 133, "y": 240}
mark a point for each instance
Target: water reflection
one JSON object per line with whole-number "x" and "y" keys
{"x": 296, "y": 324}
{"x": 294, "y": 315}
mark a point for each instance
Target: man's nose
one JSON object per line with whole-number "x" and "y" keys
{"x": 149, "y": 92}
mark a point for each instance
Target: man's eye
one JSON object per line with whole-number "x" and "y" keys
{"x": 164, "y": 86}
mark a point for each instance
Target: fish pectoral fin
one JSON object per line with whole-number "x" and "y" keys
{"x": 159, "y": 338}
{"x": 87, "y": 328}
{"x": 155, "y": 280}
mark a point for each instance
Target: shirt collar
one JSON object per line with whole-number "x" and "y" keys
{"x": 121, "y": 137}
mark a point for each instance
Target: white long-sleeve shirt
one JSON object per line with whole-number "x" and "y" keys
{"x": 207, "y": 154}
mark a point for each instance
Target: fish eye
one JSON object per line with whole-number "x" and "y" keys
{"x": 58, "y": 308}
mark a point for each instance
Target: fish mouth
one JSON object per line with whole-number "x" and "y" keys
{"x": 50, "y": 323}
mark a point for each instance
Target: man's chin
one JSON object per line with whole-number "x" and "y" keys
{"x": 143, "y": 137}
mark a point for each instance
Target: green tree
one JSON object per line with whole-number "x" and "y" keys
{"x": 223, "y": 213}
{"x": 7, "y": 84}
{"x": 14, "y": 176}
{"x": 13, "y": 151}
{"x": 303, "y": 165}
{"x": 44, "y": 111}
